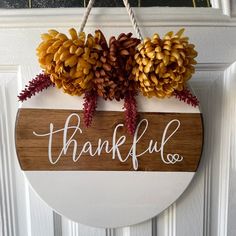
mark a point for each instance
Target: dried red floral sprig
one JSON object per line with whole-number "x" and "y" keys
{"x": 131, "y": 113}
{"x": 186, "y": 96}
{"x": 90, "y": 105}
{"x": 36, "y": 85}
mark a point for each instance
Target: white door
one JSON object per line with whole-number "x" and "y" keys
{"x": 208, "y": 206}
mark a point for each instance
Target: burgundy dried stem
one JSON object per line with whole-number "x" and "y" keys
{"x": 90, "y": 105}
{"x": 36, "y": 85}
{"x": 131, "y": 114}
{"x": 186, "y": 96}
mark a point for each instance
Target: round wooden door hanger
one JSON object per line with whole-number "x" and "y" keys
{"x": 102, "y": 176}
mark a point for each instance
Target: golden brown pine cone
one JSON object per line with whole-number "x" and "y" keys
{"x": 164, "y": 65}
{"x": 69, "y": 61}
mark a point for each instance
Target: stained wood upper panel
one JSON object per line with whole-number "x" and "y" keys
{"x": 101, "y": 3}
{"x": 50, "y": 139}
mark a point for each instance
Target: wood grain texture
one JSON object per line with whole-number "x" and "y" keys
{"x": 33, "y": 151}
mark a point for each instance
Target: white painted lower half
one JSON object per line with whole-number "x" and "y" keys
{"x": 109, "y": 199}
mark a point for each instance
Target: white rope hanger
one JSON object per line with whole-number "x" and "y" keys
{"x": 132, "y": 19}
{"x": 128, "y": 8}
{"x": 86, "y": 15}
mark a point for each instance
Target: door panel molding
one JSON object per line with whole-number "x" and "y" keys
{"x": 117, "y": 17}
{"x": 7, "y": 200}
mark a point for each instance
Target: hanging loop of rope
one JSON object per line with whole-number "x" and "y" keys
{"x": 132, "y": 19}
{"x": 128, "y": 8}
{"x": 86, "y": 15}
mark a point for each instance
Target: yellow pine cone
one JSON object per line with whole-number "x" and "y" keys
{"x": 69, "y": 61}
{"x": 164, "y": 65}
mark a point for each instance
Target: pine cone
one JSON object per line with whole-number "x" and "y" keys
{"x": 126, "y": 52}
{"x": 114, "y": 67}
{"x": 69, "y": 61}
{"x": 164, "y": 65}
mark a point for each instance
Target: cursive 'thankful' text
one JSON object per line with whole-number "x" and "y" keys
{"x": 112, "y": 147}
